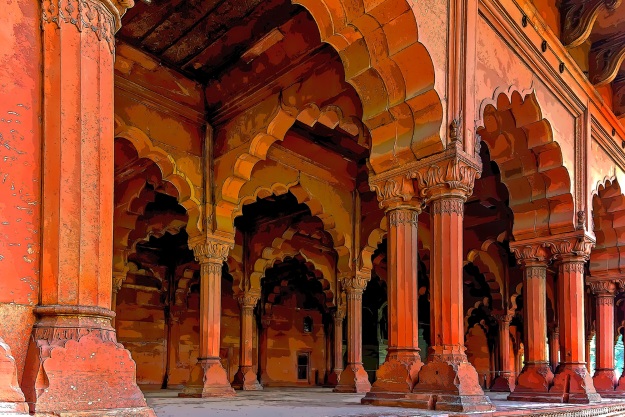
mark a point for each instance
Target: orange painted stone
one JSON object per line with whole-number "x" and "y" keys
{"x": 11, "y": 396}
{"x": 505, "y": 381}
{"x": 208, "y": 379}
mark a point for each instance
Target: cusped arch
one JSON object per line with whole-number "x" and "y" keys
{"x": 608, "y": 215}
{"x": 316, "y": 209}
{"x": 521, "y": 143}
{"x": 401, "y": 108}
{"x": 489, "y": 262}
{"x": 170, "y": 173}
{"x": 273, "y": 254}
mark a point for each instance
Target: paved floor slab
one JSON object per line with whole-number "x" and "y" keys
{"x": 322, "y": 402}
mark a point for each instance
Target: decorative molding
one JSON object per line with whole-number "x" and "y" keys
{"x": 535, "y": 272}
{"x": 401, "y": 216}
{"x": 579, "y": 16}
{"x": 528, "y": 252}
{"x": 86, "y": 15}
{"x": 248, "y": 299}
{"x": 448, "y": 206}
{"x": 606, "y": 57}
{"x": 395, "y": 191}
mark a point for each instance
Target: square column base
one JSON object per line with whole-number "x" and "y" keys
{"x": 83, "y": 372}
{"x": 246, "y": 380}
{"x": 208, "y": 379}
{"x": 573, "y": 384}
{"x": 396, "y": 377}
{"x": 533, "y": 384}
{"x": 503, "y": 383}
{"x": 354, "y": 379}
{"x": 448, "y": 382}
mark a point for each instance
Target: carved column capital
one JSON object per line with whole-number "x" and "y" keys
{"x": 211, "y": 249}
{"x": 503, "y": 318}
{"x": 529, "y": 253}
{"x": 579, "y": 16}
{"x": 340, "y": 314}
{"x": 396, "y": 191}
{"x": 355, "y": 283}
{"x": 571, "y": 249}
{"x": 248, "y": 299}
{"x": 118, "y": 280}
{"x": 450, "y": 176}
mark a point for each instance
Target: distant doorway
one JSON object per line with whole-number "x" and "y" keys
{"x": 303, "y": 364}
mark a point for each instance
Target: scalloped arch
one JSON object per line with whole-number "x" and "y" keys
{"x": 608, "y": 213}
{"x": 488, "y": 261}
{"x": 521, "y": 143}
{"x": 186, "y": 190}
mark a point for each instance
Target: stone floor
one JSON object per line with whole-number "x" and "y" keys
{"x": 321, "y": 402}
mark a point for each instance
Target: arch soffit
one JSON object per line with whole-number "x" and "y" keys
{"x": 170, "y": 172}
{"x": 489, "y": 262}
{"x": 530, "y": 162}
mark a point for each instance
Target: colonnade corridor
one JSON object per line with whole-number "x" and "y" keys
{"x": 318, "y": 208}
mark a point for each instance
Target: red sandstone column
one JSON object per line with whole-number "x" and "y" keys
{"x": 265, "y": 323}
{"x": 605, "y": 378}
{"x": 246, "y": 378}
{"x": 73, "y": 347}
{"x": 505, "y": 379}
{"x": 536, "y": 377}
{"x": 397, "y": 375}
{"x": 554, "y": 347}
{"x": 339, "y": 315}
{"x": 354, "y": 378}
{"x": 448, "y": 381}
{"x": 572, "y": 382}
{"x": 589, "y": 335}
{"x": 208, "y": 377}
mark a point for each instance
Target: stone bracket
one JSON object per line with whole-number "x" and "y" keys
{"x": 579, "y": 16}
{"x": 606, "y": 57}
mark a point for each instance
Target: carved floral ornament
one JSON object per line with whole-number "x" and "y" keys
{"x": 102, "y": 17}
{"x": 449, "y": 174}
{"x": 355, "y": 283}
{"x": 212, "y": 250}
{"x": 249, "y": 299}
{"x": 567, "y": 249}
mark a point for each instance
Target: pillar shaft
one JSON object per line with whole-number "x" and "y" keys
{"x": 505, "y": 379}
{"x": 354, "y": 378}
{"x": 572, "y": 382}
{"x": 398, "y": 373}
{"x": 536, "y": 376}
{"x": 208, "y": 377}
{"x": 74, "y": 346}
{"x": 554, "y": 348}
{"x": 246, "y": 378}
{"x": 339, "y": 316}
{"x": 604, "y": 378}
{"x": 448, "y": 378}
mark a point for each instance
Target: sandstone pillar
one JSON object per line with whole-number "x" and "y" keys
{"x": 572, "y": 382}
{"x": 554, "y": 347}
{"x": 354, "y": 378}
{"x": 447, "y": 380}
{"x": 590, "y": 334}
{"x": 208, "y": 377}
{"x": 246, "y": 378}
{"x": 505, "y": 380}
{"x": 397, "y": 375}
{"x": 73, "y": 346}
{"x": 536, "y": 376}
{"x": 605, "y": 377}
{"x": 337, "y": 350}
{"x": 263, "y": 362}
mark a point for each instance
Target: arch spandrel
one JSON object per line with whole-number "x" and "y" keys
{"x": 522, "y": 144}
